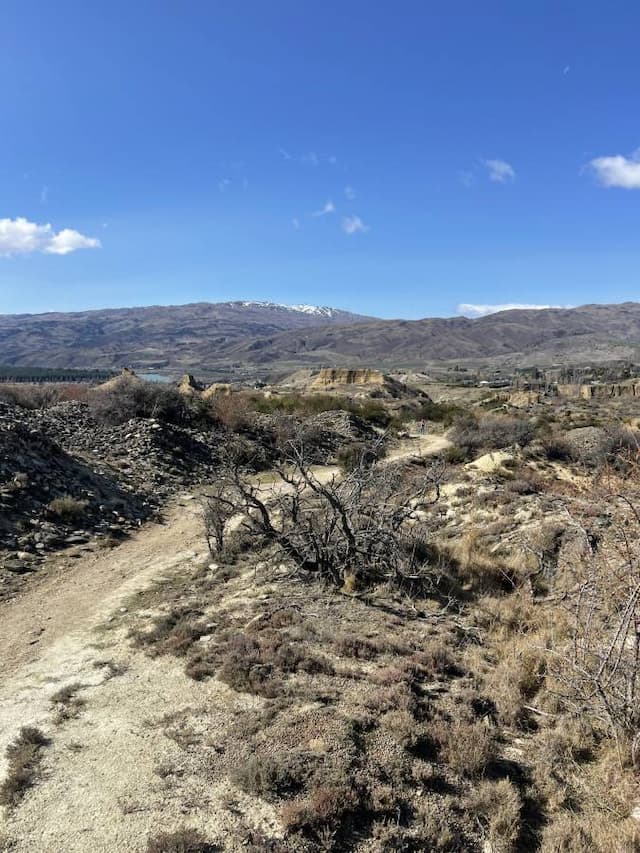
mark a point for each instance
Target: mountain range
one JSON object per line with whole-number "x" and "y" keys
{"x": 262, "y": 337}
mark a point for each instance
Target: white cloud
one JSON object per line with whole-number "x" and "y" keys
{"x": 500, "y": 171}
{"x": 350, "y": 193}
{"x": 618, "y": 171}
{"x": 353, "y": 225}
{"x": 21, "y": 237}
{"x": 310, "y": 159}
{"x": 470, "y": 310}
{"x": 296, "y": 223}
{"x": 329, "y": 207}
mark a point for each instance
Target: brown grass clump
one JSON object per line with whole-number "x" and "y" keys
{"x": 181, "y": 841}
{"x": 24, "y": 756}
{"x": 483, "y": 570}
{"x": 497, "y": 807}
{"x": 466, "y": 745}
{"x": 67, "y": 508}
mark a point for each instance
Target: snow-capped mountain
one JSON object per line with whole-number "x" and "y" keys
{"x": 171, "y": 338}
{"x": 314, "y": 310}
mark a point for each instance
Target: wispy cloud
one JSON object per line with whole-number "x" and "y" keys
{"x": 566, "y": 70}
{"x": 296, "y": 223}
{"x": 333, "y": 160}
{"x": 354, "y": 225}
{"x": 618, "y": 171}
{"x": 467, "y": 179}
{"x": 349, "y": 193}
{"x": 21, "y": 237}
{"x": 310, "y": 159}
{"x": 44, "y": 194}
{"x": 500, "y": 171}
{"x": 284, "y": 154}
{"x": 329, "y": 207}
{"x": 223, "y": 184}
{"x": 471, "y": 310}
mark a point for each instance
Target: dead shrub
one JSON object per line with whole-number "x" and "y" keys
{"x": 24, "y": 756}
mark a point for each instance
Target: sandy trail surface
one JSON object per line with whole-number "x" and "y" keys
{"x": 99, "y": 789}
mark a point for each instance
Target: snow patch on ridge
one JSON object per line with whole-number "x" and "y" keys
{"x": 316, "y": 310}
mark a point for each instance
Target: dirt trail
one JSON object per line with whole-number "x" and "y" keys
{"x": 57, "y": 633}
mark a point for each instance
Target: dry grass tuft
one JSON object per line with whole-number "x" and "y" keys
{"x": 67, "y": 704}
{"x": 468, "y": 746}
{"x": 497, "y": 807}
{"x": 67, "y": 508}
{"x": 181, "y": 841}
{"x": 24, "y": 756}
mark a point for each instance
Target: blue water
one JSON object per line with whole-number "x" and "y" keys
{"x": 154, "y": 377}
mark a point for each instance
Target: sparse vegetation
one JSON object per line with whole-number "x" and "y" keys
{"x": 67, "y": 508}
{"x": 24, "y": 756}
{"x": 180, "y": 841}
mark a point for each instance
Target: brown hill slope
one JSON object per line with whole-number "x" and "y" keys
{"x": 261, "y": 337}
{"x": 156, "y": 337}
{"x": 591, "y": 332}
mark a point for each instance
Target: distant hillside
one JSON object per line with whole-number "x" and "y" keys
{"x": 154, "y": 338}
{"x": 590, "y": 333}
{"x": 249, "y": 338}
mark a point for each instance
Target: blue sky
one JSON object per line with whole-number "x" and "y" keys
{"x": 393, "y": 158}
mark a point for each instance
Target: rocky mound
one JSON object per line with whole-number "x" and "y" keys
{"x": 49, "y": 499}
{"x": 150, "y": 456}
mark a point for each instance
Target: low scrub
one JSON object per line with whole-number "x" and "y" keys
{"x": 185, "y": 840}
{"x": 67, "y": 508}
{"x": 24, "y": 757}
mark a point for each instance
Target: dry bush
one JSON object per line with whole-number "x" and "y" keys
{"x": 270, "y": 777}
{"x": 466, "y": 745}
{"x": 185, "y": 840}
{"x": 326, "y": 807}
{"x": 67, "y": 508}
{"x": 490, "y": 432}
{"x": 362, "y": 528}
{"x": 402, "y": 727}
{"x": 134, "y": 398}
{"x": 516, "y": 680}
{"x": 483, "y": 570}
{"x": 597, "y": 673}
{"x": 231, "y": 411}
{"x": 497, "y": 807}
{"x": 24, "y": 756}
{"x": 352, "y": 646}
{"x": 572, "y": 832}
